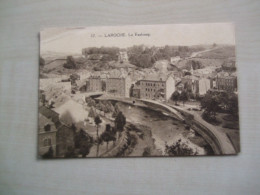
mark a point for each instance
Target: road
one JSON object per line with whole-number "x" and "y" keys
{"x": 194, "y": 54}
{"x": 226, "y": 145}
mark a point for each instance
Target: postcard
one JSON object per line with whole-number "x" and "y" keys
{"x": 138, "y": 91}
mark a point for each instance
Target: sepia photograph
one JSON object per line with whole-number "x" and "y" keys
{"x": 138, "y": 91}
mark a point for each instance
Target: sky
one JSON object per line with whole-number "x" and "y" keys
{"x": 72, "y": 40}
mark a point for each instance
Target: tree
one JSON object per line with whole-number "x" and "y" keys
{"x": 97, "y": 122}
{"x": 84, "y": 142}
{"x": 116, "y": 111}
{"x": 183, "y": 97}
{"x": 70, "y": 63}
{"x": 108, "y": 135}
{"x": 210, "y": 103}
{"x": 232, "y": 104}
{"x": 92, "y": 113}
{"x": 120, "y": 122}
{"x": 179, "y": 149}
{"x": 175, "y": 97}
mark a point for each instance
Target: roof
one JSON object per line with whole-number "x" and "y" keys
{"x": 192, "y": 77}
{"x": 155, "y": 77}
{"x": 43, "y": 121}
{"x": 48, "y": 113}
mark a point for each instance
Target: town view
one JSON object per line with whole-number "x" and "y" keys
{"x": 139, "y": 101}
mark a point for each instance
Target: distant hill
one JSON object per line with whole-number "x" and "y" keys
{"x": 224, "y": 52}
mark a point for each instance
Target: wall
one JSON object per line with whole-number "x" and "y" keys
{"x": 22, "y": 173}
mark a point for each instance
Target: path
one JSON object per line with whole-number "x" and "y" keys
{"x": 226, "y": 145}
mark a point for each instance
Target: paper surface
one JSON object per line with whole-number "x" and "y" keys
{"x": 138, "y": 91}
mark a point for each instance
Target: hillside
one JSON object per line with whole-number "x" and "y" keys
{"x": 224, "y": 52}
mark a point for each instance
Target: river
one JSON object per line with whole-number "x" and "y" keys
{"x": 164, "y": 129}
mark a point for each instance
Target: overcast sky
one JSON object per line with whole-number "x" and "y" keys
{"x": 72, "y": 40}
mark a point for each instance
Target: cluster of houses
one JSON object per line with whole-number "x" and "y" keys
{"x": 161, "y": 86}
{"x": 53, "y": 134}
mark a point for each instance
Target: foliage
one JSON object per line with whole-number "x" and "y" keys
{"x": 84, "y": 142}
{"x": 108, "y": 135}
{"x": 116, "y": 111}
{"x": 211, "y": 104}
{"x": 175, "y": 96}
{"x": 120, "y": 122}
{"x": 70, "y": 63}
{"x": 183, "y": 97}
{"x": 108, "y": 53}
{"x": 179, "y": 149}
{"x": 92, "y": 113}
{"x": 214, "y": 102}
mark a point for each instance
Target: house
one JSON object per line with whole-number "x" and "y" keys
{"x": 123, "y": 57}
{"x": 95, "y": 84}
{"x": 203, "y": 86}
{"x": 228, "y": 83}
{"x": 118, "y": 86}
{"x": 157, "y": 87}
{"x": 47, "y": 130}
{"x": 190, "y": 83}
{"x": 52, "y": 133}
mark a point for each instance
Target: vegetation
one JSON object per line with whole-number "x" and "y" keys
{"x": 97, "y": 122}
{"x": 108, "y": 135}
{"x": 120, "y": 122}
{"x": 179, "y": 149}
{"x": 83, "y": 142}
{"x": 219, "y": 102}
{"x": 175, "y": 97}
{"x": 107, "y": 53}
{"x": 183, "y": 97}
{"x": 71, "y": 64}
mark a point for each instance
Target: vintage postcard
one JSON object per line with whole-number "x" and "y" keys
{"x": 138, "y": 91}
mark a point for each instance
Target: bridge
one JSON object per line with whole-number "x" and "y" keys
{"x": 218, "y": 141}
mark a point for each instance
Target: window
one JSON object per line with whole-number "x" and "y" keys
{"x": 47, "y": 127}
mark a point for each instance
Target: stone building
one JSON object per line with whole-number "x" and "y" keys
{"x": 118, "y": 86}
{"x": 157, "y": 87}
{"x": 228, "y": 83}
{"x": 123, "y": 57}
{"x": 95, "y": 84}
{"x": 47, "y": 130}
{"x": 52, "y": 133}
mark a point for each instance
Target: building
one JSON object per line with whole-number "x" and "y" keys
{"x": 123, "y": 57}
{"x": 157, "y": 87}
{"x": 95, "y": 84}
{"x": 203, "y": 86}
{"x": 47, "y": 130}
{"x": 228, "y": 83}
{"x": 190, "y": 83}
{"x": 118, "y": 86}
{"x": 52, "y": 133}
